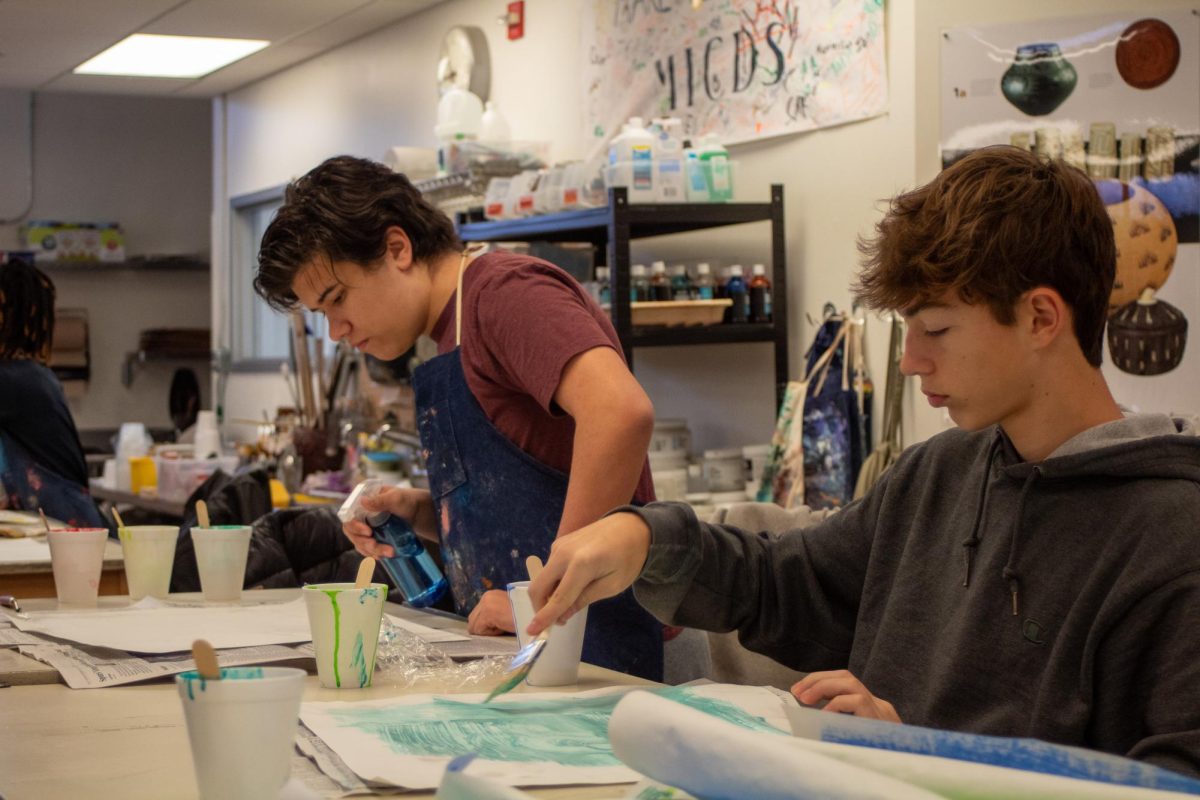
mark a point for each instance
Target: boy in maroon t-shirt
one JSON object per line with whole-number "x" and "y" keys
{"x": 532, "y": 423}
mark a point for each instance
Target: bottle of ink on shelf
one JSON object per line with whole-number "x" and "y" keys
{"x": 603, "y": 287}
{"x": 705, "y": 286}
{"x": 681, "y": 285}
{"x": 760, "y": 295}
{"x": 639, "y": 286}
{"x": 660, "y": 285}
{"x": 411, "y": 568}
{"x": 739, "y": 312}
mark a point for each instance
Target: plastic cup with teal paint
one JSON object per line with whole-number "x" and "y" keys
{"x": 345, "y": 631}
{"x": 221, "y": 553}
{"x": 77, "y": 559}
{"x": 242, "y": 729}
{"x": 149, "y": 552}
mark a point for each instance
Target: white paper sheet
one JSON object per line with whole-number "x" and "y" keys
{"x": 542, "y": 739}
{"x": 155, "y": 627}
{"x": 24, "y": 551}
{"x": 428, "y": 634}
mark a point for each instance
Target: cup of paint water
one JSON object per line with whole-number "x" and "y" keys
{"x": 242, "y": 729}
{"x": 221, "y": 552}
{"x": 345, "y": 631}
{"x": 558, "y": 665}
{"x": 77, "y": 558}
{"x": 149, "y": 552}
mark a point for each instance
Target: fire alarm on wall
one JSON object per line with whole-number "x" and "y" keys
{"x": 515, "y": 20}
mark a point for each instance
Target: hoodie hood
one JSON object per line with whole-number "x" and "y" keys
{"x": 1138, "y": 446}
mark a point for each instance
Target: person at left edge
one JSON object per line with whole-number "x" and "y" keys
{"x": 41, "y": 459}
{"x": 532, "y": 422}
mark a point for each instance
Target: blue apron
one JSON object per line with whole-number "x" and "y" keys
{"x": 496, "y": 505}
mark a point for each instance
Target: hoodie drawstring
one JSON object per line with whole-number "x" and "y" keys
{"x": 1010, "y": 569}
{"x": 972, "y": 542}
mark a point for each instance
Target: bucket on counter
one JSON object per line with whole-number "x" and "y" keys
{"x": 669, "y": 471}
{"x": 671, "y": 436}
{"x": 725, "y": 470}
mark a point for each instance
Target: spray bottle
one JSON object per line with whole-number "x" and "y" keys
{"x": 411, "y": 568}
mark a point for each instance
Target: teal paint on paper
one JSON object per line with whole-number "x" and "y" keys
{"x": 569, "y": 731}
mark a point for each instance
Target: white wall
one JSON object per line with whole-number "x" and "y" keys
{"x": 380, "y": 91}
{"x": 142, "y": 162}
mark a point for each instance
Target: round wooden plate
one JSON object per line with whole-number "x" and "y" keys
{"x": 1147, "y": 53}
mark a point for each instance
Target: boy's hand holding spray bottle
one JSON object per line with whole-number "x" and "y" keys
{"x": 380, "y": 521}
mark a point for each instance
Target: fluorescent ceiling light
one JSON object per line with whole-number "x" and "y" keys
{"x": 156, "y": 56}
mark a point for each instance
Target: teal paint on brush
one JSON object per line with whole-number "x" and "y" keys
{"x": 569, "y": 731}
{"x": 192, "y": 677}
{"x": 337, "y": 634}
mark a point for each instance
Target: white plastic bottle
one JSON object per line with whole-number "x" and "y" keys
{"x": 631, "y": 161}
{"x": 672, "y": 184}
{"x": 715, "y": 159}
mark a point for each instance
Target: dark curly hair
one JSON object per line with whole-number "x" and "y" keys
{"x": 341, "y": 210}
{"x": 26, "y": 312}
{"x": 991, "y": 226}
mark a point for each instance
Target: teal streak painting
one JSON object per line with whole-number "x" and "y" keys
{"x": 570, "y": 731}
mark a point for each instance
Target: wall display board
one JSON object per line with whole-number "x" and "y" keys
{"x": 740, "y": 69}
{"x": 1117, "y": 95}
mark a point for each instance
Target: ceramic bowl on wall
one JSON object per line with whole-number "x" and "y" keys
{"x": 1147, "y": 53}
{"x": 1146, "y": 240}
{"x": 1039, "y": 79}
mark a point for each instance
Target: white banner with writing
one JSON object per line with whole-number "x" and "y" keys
{"x": 742, "y": 69}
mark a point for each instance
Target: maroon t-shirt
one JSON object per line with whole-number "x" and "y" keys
{"x": 523, "y": 320}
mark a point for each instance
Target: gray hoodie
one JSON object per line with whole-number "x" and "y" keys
{"x": 977, "y": 592}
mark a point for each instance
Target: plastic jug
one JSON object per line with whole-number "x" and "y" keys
{"x": 672, "y": 187}
{"x": 493, "y": 126}
{"x": 631, "y": 162}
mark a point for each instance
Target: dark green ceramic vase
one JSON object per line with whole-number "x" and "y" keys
{"x": 1039, "y": 79}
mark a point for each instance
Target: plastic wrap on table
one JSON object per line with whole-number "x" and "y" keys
{"x": 405, "y": 659}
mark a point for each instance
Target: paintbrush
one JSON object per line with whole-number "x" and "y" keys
{"x": 527, "y": 656}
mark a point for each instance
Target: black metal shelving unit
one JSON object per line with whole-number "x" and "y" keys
{"x": 611, "y": 230}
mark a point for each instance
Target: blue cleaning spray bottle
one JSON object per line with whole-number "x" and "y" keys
{"x": 411, "y": 568}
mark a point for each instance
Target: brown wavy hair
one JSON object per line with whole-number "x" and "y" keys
{"x": 26, "y": 312}
{"x": 341, "y": 210}
{"x": 990, "y": 227}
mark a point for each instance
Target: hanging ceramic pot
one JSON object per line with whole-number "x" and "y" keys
{"x": 1039, "y": 79}
{"x": 1147, "y": 336}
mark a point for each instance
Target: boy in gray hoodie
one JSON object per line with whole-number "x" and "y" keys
{"x": 1035, "y": 572}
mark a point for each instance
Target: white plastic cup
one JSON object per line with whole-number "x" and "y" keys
{"x": 345, "y": 630}
{"x": 149, "y": 552}
{"x": 558, "y": 665}
{"x": 77, "y": 558}
{"x": 241, "y": 729}
{"x": 221, "y": 553}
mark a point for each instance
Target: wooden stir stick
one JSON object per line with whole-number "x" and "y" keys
{"x": 202, "y": 513}
{"x": 366, "y": 568}
{"x": 534, "y": 565}
{"x": 45, "y": 522}
{"x": 206, "y": 660}
{"x": 117, "y": 516}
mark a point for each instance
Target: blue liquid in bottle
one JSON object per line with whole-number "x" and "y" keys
{"x": 411, "y": 568}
